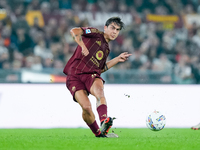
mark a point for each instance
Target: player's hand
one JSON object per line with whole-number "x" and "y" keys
{"x": 85, "y": 51}
{"x": 124, "y": 56}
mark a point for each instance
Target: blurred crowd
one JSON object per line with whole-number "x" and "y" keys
{"x": 38, "y": 47}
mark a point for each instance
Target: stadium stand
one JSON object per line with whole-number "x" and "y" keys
{"x": 163, "y": 36}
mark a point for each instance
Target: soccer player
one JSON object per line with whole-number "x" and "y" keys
{"x": 197, "y": 127}
{"x": 84, "y": 68}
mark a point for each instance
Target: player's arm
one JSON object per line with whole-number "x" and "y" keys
{"x": 77, "y": 36}
{"x": 121, "y": 58}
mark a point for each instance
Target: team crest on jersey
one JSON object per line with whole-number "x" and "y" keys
{"x": 99, "y": 55}
{"x": 87, "y": 31}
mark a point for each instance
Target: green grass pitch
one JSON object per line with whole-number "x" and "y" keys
{"x": 83, "y": 139}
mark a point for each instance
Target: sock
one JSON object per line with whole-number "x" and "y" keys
{"x": 95, "y": 128}
{"x": 102, "y": 111}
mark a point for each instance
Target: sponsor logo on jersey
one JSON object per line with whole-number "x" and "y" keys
{"x": 73, "y": 88}
{"x": 98, "y": 42}
{"x": 95, "y": 61}
{"x": 87, "y": 31}
{"x": 99, "y": 55}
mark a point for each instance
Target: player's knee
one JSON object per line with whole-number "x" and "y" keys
{"x": 99, "y": 93}
{"x": 87, "y": 108}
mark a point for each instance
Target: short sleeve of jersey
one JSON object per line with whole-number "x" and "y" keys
{"x": 90, "y": 32}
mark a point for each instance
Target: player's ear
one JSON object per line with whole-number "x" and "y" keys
{"x": 105, "y": 28}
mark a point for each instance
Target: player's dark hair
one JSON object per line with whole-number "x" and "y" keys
{"x": 116, "y": 20}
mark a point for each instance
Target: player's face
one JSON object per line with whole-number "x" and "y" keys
{"x": 112, "y": 31}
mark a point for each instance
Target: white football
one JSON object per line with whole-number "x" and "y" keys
{"x": 156, "y": 121}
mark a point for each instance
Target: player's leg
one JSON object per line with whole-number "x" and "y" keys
{"x": 97, "y": 89}
{"x": 87, "y": 113}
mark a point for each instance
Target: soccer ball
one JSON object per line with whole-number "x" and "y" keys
{"x": 156, "y": 121}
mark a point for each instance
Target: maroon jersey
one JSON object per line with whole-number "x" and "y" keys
{"x": 95, "y": 61}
